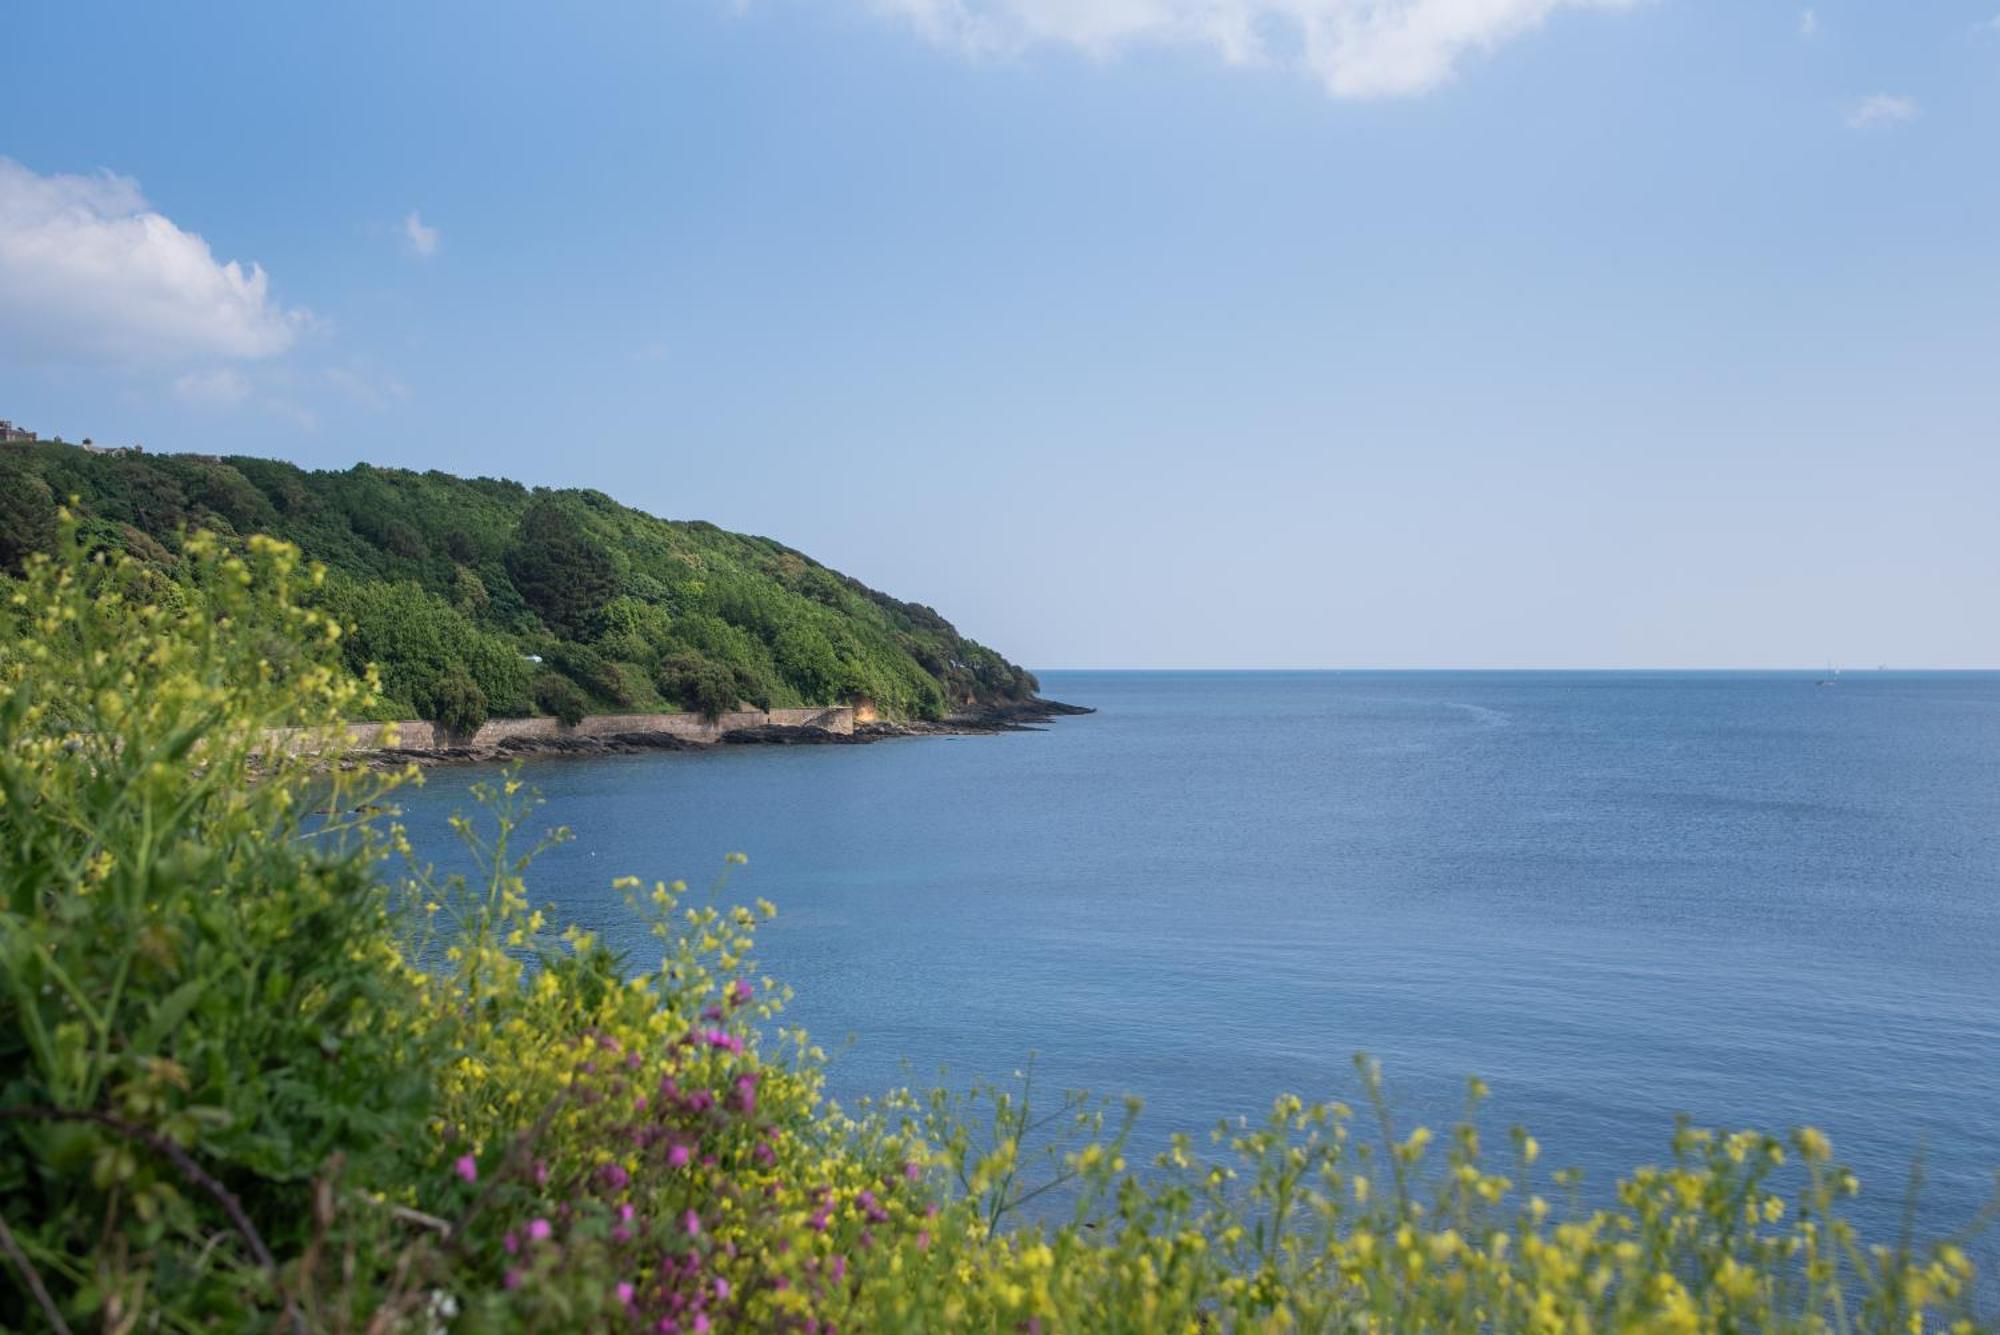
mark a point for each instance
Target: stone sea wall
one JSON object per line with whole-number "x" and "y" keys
{"x": 416, "y": 735}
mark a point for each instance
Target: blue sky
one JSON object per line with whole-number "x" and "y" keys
{"x": 1126, "y": 332}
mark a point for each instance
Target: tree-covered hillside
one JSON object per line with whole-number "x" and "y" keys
{"x": 480, "y": 597}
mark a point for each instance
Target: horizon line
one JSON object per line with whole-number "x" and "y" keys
{"x": 1880, "y": 670}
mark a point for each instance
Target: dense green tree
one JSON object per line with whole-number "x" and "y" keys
{"x": 457, "y": 704}
{"x": 558, "y": 695}
{"x": 27, "y": 514}
{"x": 561, "y": 571}
{"x": 703, "y": 685}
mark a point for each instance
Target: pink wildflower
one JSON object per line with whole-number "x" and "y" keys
{"x": 700, "y": 1324}
{"x": 512, "y": 1280}
{"x": 467, "y": 1167}
{"x": 911, "y": 1172}
{"x": 539, "y": 1230}
{"x": 625, "y": 1213}
{"x": 739, "y": 992}
{"x": 625, "y": 1292}
{"x": 721, "y": 1290}
{"x": 678, "y": 1157}
{"x": 692, "y": 1223}
{"x": 511, "y": 1242}
{"x": 923, "y": 1239}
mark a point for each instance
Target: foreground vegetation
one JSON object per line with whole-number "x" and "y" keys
{"x": 257, "y": 1071}
{"x": 481, "y": 597}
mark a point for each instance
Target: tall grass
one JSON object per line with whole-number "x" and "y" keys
{"x": 259, "y": 1070}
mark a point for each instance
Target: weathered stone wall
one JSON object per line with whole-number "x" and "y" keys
{"x": 416, "y": 735}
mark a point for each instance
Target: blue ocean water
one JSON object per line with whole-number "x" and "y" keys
{"x": 1615, "y": 896}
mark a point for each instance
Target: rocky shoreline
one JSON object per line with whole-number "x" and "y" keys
{"x": 1021, "y": 716}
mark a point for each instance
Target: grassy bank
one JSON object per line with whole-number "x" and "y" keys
{"x": 257, "y": 1070}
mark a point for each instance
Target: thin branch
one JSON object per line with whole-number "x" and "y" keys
{"x": 419, "y": 1218}
{"x": 32, "y": 1278}
{"x": 191, "y": 1170}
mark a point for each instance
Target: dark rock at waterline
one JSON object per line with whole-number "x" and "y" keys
{"x": 777, "y": 734}
{"x": 1020, "y": 711}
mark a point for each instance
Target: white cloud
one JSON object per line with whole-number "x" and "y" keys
{"x": 1808, "y": 23}
{"x": 88, "y": 271}
{"x": 422, "y": 240}
{"x": 1356, "y": 48}
{"x": 1880, "y": 111}
{"x": 219, "y": 390}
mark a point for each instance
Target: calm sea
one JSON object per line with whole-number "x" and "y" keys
{"x": 1614, "y": 896}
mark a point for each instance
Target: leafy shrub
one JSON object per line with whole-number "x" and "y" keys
{"x": 468, "y": 592}
{"x": 194, "y": 996}
{"x": 461, "y": 546}
{"x": 456, "y": 703}
{"x": 595, "y": 673}
{"x": 641, "y": 621}
{"x": 219, "y": 491}
{"x": 255, "y": 1073}
{"x": 807, "y": 659}
{"x": 558, "y": 695}
{"x": 701, "y": 685}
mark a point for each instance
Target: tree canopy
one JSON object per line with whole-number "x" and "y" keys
{"x": 478, "y": 596}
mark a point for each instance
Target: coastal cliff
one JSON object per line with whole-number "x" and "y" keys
{"x": 480, "y": 599}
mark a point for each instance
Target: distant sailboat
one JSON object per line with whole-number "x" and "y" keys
{"x": 1832, "y": 677}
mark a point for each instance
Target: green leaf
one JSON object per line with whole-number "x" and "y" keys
{"x": 167, "y": 1016}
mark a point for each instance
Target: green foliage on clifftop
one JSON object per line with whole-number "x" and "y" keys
{"x": 455, "y": 586}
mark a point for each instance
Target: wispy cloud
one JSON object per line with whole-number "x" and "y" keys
{"x": 1808, "y": 23}
{"x": 421, "y": 239}
{"x": 1882, "y": 111}
{"x": 1355, "y": 48}
{"x": 89, "y": 272}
